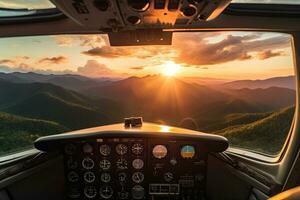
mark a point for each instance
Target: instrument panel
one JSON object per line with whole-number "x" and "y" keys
{"x": 135, "y": 168}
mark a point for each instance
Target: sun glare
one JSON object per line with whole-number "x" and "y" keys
{"x": 170, "y": 68}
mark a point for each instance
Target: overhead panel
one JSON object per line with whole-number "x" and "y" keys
{"x": 140, "y": 14}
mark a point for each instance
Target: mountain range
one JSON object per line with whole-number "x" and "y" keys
{"x": 76, "y": 102}
{"x": 283, "y": 82}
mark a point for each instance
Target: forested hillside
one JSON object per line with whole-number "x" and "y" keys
{"x": 19, "y": 132}
{"x": 33, "y": 105}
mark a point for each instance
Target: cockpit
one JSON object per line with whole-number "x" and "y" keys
{"x": 149, "y": 99}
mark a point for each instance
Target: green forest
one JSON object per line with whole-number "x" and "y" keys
{"x": 255, "y": 119}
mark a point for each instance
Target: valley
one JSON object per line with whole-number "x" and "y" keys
{"x": 59, "y": 103}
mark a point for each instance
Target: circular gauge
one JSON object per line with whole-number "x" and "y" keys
{"x": 138, "y": 192}
{"x": 121, "y": 164}
{"x": 89, "y": 177}
{"x": 137, "y": 149}
{"x": 105, "y": 177}
{"x": 121, "y": 149}
{"x": 87, "y": 148}
{"x": 70, "y": 149}
{"x": 189, "y": 11}
{"x": 90, "y": 192}
{"x": 160, "y": 151}
{"x": 106, "y": 192}
{"x": 87, "y": 163}
{"x": 123, "y": 194}
{"x": 138, "y": 163}
{"x": 73, "y": 177}
{"x": 105, "y": 164}
{"x": 168, "y": 177}
{"x": 137, "y": 177}
{"x": 187, "y": 152}
{"x": 139, "y": 5}
{"x": 122, "y": 177}
{"x": 104, "y": 150}
{"x": 72, "y": 164}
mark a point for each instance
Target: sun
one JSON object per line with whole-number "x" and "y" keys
{"x": 170, "y": 68}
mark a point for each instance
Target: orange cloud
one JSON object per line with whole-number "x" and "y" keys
{"x": 108, "y": 52}
{"x": 83, "y": 40}
{"x": 137, "y": 68}
{"x": 196, "y": 50}
{"x": 7, "y": 62}
{"x": 92, "y": 68}
{"x": 53, "y": 60}
{"x": 269, "y": 54}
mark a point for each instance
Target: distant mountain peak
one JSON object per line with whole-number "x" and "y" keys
{"x": 282, "y": 82}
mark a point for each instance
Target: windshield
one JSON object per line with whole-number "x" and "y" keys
{"x": 236, "y": 84}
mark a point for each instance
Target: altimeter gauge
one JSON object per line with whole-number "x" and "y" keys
{"x": 160, "y": 151}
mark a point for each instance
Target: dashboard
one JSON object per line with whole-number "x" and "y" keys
{"x": 134, "y": 164}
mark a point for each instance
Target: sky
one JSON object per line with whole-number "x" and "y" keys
{"x": 221, "y": 55}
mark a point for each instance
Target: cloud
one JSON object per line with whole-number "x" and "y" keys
{"x": 269, "y": 54}
{"x": 53, "y": 60}
{"x": 92, "y": 68}
{"x": 134, "y": 52}
{"x": 108, "y": 52}
{"x": 64, "y": 40}
{"x": 137, "y": 68}
{"x": 196, "y": 50}
{"x": 91, "y": 41}
{"x": 7, "y": 62}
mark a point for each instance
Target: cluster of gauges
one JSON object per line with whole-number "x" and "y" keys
{"x": 89, "y": 175}
{"x": 161, "y": 151}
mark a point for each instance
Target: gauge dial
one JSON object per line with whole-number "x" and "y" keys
{"x": 90, "y": 192}
{"x": 168, "y": 176}
{"x": 137, "y": 149}
{"x": 121, "y": 149}
{"x": 122, "y": 163}
{"x": 89, "y": 177}
{"x": 104, "y": 150}
{"x": 72, "y": 164}
{"x": 122, "y": 177}
{"x": 138, "y": 163}
{"x": 105, "y": 164}
{"x": 187, "y": 152}
{"x": 138, "y": 177}
{"x": 87, "y": 163}
{"x": 160, "y": 151}
{"x": 123, "y": 194}
{"x": 138, "y": 192}
{"x": 87, "y": 148}
{"x": 106, "y": 192}
{"x": 70, "y": 149}
{"x": 105, "y": 177}
{"x": 73, "y": 177}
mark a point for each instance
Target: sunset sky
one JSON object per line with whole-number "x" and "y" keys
{"x": 223, "y": 55}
